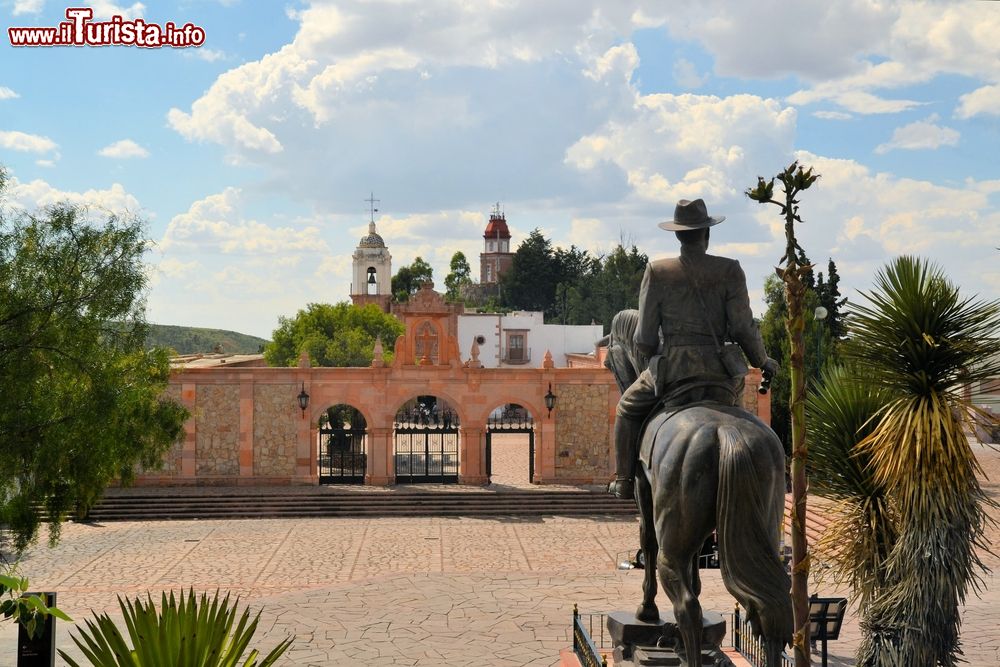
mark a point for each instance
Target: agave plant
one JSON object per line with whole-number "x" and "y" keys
{"x": 921, "y": 342}
{"x": 185, "y": 633}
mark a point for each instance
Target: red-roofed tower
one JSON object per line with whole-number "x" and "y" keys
{"x": 496, "y": 258}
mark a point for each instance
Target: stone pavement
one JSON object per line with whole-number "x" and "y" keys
{"x": 426, "y": 591}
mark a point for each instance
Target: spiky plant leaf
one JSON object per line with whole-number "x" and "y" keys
{"x": 842, "y": 412}
{"x": 924, "y": 343}
{"x": 184, "y": 632}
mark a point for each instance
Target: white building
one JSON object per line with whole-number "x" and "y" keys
{"x": 521, "y": 339}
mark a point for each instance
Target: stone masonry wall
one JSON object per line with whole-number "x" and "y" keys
{"x": 172, "y": 459}
{"x": 217, "y": 409}
{"x": 275, "y": 424}
{"x": 582, "y": 442}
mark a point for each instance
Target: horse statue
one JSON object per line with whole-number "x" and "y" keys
{"x": 709, "y": 467}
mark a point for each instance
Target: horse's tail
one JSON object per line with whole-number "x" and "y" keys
{"x": 749, "y": 510}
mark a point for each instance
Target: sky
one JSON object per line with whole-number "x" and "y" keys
{"x": 251, "y": 156}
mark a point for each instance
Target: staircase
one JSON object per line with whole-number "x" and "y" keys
{"x": 248, "y": 504}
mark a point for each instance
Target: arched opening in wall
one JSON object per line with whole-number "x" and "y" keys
{"x": 371, "y": 283}
{"x": 425, "y": 441}
{"x": 510, "y": 445}
{"x": 342, "y": 445}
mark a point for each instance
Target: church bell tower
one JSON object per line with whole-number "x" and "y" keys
{"x": 496, "y": 257}
{"x": 372, "y": 277}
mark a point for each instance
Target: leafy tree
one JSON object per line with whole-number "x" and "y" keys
{"x": 914, "y": 517}
{"x": 829, "y": 297}
{"x": 530, "y": 283}
{"x": 408, "y": 279}
{"x": 617, "y": 283}
{"x": 460, "y": 275}
{"x": 333, "y": 335}
{"x": 82, "y": 401}
{"x": 575, "y": 269}
{"x": 796, "y": 275}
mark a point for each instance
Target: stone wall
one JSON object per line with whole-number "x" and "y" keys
{"x": 582, "y": 440}
{"x": 275, "y": 429}
{"x": 217, "y": 409}
{"x": 172, "y": 459}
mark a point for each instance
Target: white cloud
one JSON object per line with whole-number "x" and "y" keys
{"x": 27, "y": 7}
{"x": 123, "y": 150}
{"x": 619, "y": 60}
{"x": 772, "y": 38}
{"x": 216, "y": 224}
{"x": 27, "y": 143}
{"x": 7, "y": 94}
{"x": 857, "y": 101}
{"x": 832, "y": 115}
{"x": 36, "y": 194}
{"x": 688, "y": 146}
{"x": 922, "y": 134}
{"x": 920, "y": 41}
{"x": 344, "y": 51}
{"x": 982, "y": 101}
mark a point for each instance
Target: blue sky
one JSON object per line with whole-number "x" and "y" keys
{"x": 251, "y": 156}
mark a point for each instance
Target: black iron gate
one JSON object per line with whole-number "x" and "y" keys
{"x": 511, "y": 419}
{"x": 342, "y": 455}
{"x": 426, "y": 448}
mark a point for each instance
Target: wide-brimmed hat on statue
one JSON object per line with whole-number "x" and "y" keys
{"x": 690, "y": 215}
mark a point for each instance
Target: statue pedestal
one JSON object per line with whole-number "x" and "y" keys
{"x": 636, "y": 641}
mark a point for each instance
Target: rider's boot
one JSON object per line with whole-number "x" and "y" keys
{"x": 626, "y": 445}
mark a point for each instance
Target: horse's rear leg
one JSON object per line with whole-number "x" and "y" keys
{"x": 647, "y": 541}
{"x": 678, "y": 580}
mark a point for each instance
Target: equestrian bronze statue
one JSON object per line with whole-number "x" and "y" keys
{"x": 694, "y": 461}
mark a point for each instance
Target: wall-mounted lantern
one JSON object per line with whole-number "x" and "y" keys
{"x": 303, "y": 399}
{"x": 550, "y": 400}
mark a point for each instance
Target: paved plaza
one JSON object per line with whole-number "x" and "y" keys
{"x": 401, "y": 591}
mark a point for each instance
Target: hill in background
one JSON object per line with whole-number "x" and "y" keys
{"x": 192, "y": 340}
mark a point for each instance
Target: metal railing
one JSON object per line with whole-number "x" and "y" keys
{"x": 749, "y": 646}
{"x": 583, "y": 643}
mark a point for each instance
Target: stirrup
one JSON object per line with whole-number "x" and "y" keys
{"x": 622, "y": 489}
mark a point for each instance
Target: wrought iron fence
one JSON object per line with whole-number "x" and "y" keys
{"x": 748, "y": 645}
{"x": 583, "y": 642}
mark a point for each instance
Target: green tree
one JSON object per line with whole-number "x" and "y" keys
{"x": 796, "y": 275}
{"x": 333, "y": 335}
{"x": 530, "y": 283}
{"x": 829, "y": 297}
{"x": 915, "y": 514}
{"x": 617, "y": 283}
{"x": 575, "y": 269}
{"x": 460, "y": 275}
{"x": 409, "y": 278}
{"x": 82, "y": 402}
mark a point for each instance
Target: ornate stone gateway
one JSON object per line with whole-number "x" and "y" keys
{"x": 511, "y": 418}
{"x": 425, "y": 434}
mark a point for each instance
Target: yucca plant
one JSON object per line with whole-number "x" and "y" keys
{"x": 842, "y": 411}
{"x": 923, "y": 343}
{"x": 186, "y": 632}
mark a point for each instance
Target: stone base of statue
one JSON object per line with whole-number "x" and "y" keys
{"x": 636, "y": 641}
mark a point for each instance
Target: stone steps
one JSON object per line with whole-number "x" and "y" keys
{"x": 247, "y": 505}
